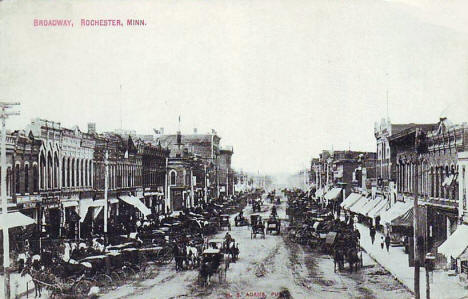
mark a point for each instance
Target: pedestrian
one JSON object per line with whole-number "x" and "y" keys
{"x": 382, "y": 242}
{"x": 372, "y": 234}
{"x": 387, "y": 242}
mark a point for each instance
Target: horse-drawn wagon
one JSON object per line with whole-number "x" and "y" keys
{"x": 273, "y": 225}
{"x": 224, "y": 221}
{"x": 258, "y": 228}
{"x": 213, "y": 262}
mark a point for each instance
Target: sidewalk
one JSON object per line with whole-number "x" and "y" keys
{"x": 18, "y": 285}
{"x": 396, "y": 262}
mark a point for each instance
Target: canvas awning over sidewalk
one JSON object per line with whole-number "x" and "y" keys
{"x": 359, "y": 206}
{"x": 456, "y": 244}
{"x": 378, "y": 209}
{"x": 87, "y": 203}
{"x": 137, "y": 203}
{"x": 371, "y": 205}
{"x": 397, "y": 210}
{"x": 333, "y": 194}
{"x": 15, "y": 219}
{"x": 404, "y": 220}
{"x": 350, "y": 200}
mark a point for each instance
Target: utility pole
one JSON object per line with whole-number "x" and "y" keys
{"x": 206, "y": 187}
{"x": 6, "y": 241}
{"x": 106, "y": 183}
{"x": 416, "y": 228}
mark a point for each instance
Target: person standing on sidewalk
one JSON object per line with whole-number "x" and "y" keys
{"x": 382, "y": 242}
{"x": 372, "y": 234}
{"x": 387, "y": 242}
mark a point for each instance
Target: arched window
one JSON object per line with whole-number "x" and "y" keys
{"x": 17, "y": 179}
{"x": 26, "y": 178}
{"x": 173, "y": 178}
{"x": 81, "y": 173}
{"x": 64, "y": 183}
{"x": 56, "y": 171}
{"x": 72, "y": 173}
{"x": 42, "y": 167}
{"x": 85, "y": 173}
{"x": 35, "y": 178}
{"x": 8, "y": 181}
{"x": 49, "y": 171}
{"x": 69, "y": 173}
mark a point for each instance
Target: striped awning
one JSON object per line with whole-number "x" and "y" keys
{"x": 350, "y": 200}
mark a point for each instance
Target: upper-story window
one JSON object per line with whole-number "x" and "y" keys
{"x": 17, "y": 179}
{"x": 173, "y": 177}
{"x": 26, "y": 178}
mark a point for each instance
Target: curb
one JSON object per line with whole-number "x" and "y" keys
{"x": 388, "y": 270}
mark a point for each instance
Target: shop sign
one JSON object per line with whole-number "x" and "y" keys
{"x": 139, "y": 194}
{"x": 51, "y": 202}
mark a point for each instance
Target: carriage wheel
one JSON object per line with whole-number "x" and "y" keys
{"x": 147, "y": 272}
{"x": 115, "y": 277}
{"x": 129, "y": 272}
{"x": 165, "y": 256}
{"x": 103, "y": 280}
{"x": 82, "y": 287}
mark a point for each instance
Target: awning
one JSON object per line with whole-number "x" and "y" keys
{"x": 96, "y": 212}
{"x": 378, "y": 209}
{"x": 397, "y": 210}
{"x": 70, "y": 203}
{"x": 15, "y": 219}
{"x": 456, "y": 244}
{"x": 360, "y": 205}
{"x": 371, "y": 205}
{"x": 404, "y": 220}
{"x": 85, "y": 203}
{"x": 350, "y": 200}
{"x": 333, "y": 194}
{"x": 134, "y": 201}
{"x": 113, "y": 200}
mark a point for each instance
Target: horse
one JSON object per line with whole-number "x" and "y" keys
{"x": 206, "y": 271}
{"x": 39, "y": 277}
{"x": 179, "y": 257}
{"x": 338, "y": 258}
{"x": 352, "y": 257}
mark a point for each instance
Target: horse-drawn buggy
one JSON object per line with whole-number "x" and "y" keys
{"x": 240, "y": 220}
{"x": 258, "y": 227}
{"x": 273, "y": 225}
{"x": 224, "y": 222}
{"x": 345, "y": 248}
{"x": 213, "y": 262}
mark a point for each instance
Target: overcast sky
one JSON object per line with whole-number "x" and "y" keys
{"x": 278, "y": 80}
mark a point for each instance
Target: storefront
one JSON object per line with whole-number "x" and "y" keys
{"x": 70, "y": 218}
{"x": 29, "y": 206}
{"x": 441, "y": 223}
{"x": 455, "y": 250}
{"x": 90, "y": 210}
{"x": 51, "y": 216}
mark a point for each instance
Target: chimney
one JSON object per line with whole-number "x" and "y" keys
{"x": 91, "y": 128}
{"x": 195, "y": 131}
